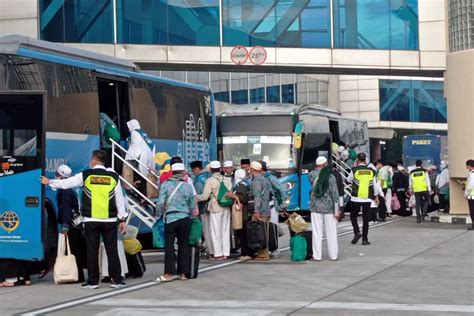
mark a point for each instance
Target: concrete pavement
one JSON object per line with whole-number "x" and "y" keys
{"x": 409, "y": 269}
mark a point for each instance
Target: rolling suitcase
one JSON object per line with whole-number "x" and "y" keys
{"x": 272, "y": 237}
{"x": 195, "y": 256}
{"x": 136, "y": 265}
{"x": 256, "y": 235}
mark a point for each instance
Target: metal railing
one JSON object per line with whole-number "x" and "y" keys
{"x": 134, "y": 207}
{"x": 343, "y": 169}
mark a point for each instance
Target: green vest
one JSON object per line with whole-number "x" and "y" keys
{"x": 418, "y": 180}
{"x": 379, "y": 178}
{"x": 363, "y": 183}
{"x": 98, "y": 195}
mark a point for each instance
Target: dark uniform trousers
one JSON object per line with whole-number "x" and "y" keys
{"x": 355, "y": 209}
{"x": 108, "y": 231}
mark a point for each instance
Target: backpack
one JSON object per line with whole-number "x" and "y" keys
{"x": 111, "y": 132}
{"x": 256, "y": 235}
{"x": 146, "y": 139}
{"x": 221, "y": 198}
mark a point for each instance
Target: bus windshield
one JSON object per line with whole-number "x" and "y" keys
{"x": 274, "y": 150}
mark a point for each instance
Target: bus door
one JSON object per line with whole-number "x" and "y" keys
{"x": 314, "y": 145}
{"x": 21, "y": 158}
{"x": 113, "y": 107}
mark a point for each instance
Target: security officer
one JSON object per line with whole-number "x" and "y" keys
{"x": 363, "y": 187}
{"x": 420, "y": 185}
{"x": 382, "y": 178}
{"x": 102, "y": 206}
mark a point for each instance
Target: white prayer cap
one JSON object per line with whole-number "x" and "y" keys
{"x": 321, "y": 160}
{"x": 215, "y": 164}
{"x": 178, "y": 167}
{"x": 64, "y": 171}
{"x": 255, "y": 165}
{"x": 228, "y": 164}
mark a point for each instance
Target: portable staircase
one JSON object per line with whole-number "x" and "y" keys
{"x": 344, "y": 171}
{"x": 136, "y": 208}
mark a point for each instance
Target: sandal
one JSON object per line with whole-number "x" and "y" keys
{"x": 162, "y": 278}
{"x": 43, "y": 273}
{"x": 314, "y": 260}
{"x": 183, "y": 278}
{"x": 261, "y": 259}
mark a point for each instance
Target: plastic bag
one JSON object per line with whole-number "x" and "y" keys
{"x": 412, "y": 202}
{"x": 195, "y": 232}
{"x": 298, "y": 248}
{"x": 158, "y": 231}
{"x": 395, "y": 203}
{"x": 131, "y": 233}
{"x": 132, "y": 246}
{"x": 296, "y": 223}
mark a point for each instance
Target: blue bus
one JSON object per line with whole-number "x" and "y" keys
{"x": 51, "y": 98}
{"x": 289, "y": 138}
{"x": 430, "y": 149}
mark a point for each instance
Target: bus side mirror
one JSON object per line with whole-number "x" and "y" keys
{"x": 298, "y": 135}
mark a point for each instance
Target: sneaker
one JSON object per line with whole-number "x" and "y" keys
{"x": 118, "y": 285}
{"x": 356, "y": 238}
{"x": 365, "y": 242}
{"x": 89, "y": 286}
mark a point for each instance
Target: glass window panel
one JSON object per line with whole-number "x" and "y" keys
{"x": 273, "y": 94}
{"x": 220, "y": 86}
{"x": 176, "y": 75}
{"x": 376, "y": 24}
{"x": 257, "y": 95}
{"x": 76, "y": 21}
{"x": 275, "y": 23}
{"x": 174, "y": 22}
{"x": 239, "y": 85}
{"x": 288, "y": 93}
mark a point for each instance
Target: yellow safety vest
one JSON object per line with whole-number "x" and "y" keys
{"x": 363, "y": 183}
{"x": 379, "y": 178}
{"x": 98, "y": 194}
{"x": 418, "y": 180}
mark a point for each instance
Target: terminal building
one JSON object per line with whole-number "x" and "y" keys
{"x": 379, "y": 60}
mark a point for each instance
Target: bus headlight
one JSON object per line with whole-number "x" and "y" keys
{"x": 289, "y": 185}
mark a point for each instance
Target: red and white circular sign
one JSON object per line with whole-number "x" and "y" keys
{"x": 239, "y": 55}
{"x": 258, "y": 55}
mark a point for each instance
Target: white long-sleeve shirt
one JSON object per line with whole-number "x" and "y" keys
{"x": 138, "y": 149}
{"x": 469, "y": 186}
{"x": 350, "y": 178}
{"x": 78, "y": 181}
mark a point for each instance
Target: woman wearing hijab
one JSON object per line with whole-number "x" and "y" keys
{"x": 324, "y": 209}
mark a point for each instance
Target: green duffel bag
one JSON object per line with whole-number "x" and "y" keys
{"x": 298, "y": 248}
{"x": 221, "y": 198}
{"x": 195, "y": 232}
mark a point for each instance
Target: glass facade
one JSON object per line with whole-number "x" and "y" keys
{"x": 297, "y": 23}
{"x": 461, "y": 24}
{"x": 168, "y": 22}
{"x": 374, "y": 24}
{"x": 412, "y": 101}
{"x": 77, "y": 21}
{"x": 247, "y": 88}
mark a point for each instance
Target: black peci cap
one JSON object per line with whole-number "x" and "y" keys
{"x": 196, "y": 164}
{"x": 245, "y": 161}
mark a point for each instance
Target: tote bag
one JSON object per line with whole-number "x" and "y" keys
{"x": 65, "y": 268}
{"x": 195, "y": 232}
{"x": 237, "y": 220}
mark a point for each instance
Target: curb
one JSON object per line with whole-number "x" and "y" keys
{"x": 438, "y": 217}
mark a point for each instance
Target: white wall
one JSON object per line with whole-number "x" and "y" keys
{"x": 19, "y": 17}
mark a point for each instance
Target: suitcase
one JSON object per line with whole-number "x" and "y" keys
{"x": 195, "y": 256}
{"x": 256, "y": 235}
{"x": 272, "y": 237}
{"x": 308, "y": 235}
{"x": 136, "y": 265}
